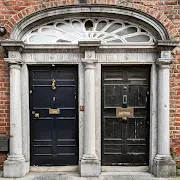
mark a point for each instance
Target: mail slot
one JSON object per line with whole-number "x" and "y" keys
{"x": 125, "y": 112}
{"x": 54, "y": 111}
{"x": 4, "y": 143}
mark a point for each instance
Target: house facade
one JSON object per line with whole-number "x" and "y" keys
{"x": 90, "y": 86}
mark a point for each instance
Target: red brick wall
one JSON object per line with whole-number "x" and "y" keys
{"x": 166, "y": 11}
{"x": 175, "y": 107}
{"x": 4, "y": 101}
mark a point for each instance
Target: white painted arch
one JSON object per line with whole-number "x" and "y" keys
{"x": 158, "y": 51}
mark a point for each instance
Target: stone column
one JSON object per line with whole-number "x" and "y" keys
{"x": 15, "y": 165}
{"x": 90, "y": 165}
{"x": 164, "y": 166}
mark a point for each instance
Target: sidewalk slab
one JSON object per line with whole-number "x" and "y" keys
{"x": 76, "y": 176}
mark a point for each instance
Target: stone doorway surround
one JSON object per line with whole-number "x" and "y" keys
{"x": 89, "y": 55}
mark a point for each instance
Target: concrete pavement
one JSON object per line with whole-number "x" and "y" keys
{"x": 75, "y": 176}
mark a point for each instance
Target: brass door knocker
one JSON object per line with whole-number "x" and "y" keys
{"x": 53, "y": 84}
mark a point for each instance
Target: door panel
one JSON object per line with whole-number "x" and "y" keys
{"x": 125, "y": 142}
{"x": 54, "y": 137}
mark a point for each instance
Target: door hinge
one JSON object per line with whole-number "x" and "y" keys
{"x": 30, "y": 92}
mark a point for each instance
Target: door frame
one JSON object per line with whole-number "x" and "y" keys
{"x": 153, "y": 117}
{"x": 109, "y": 57}
{"x": 26, "y": 119}
{"x": 153, "y": 108}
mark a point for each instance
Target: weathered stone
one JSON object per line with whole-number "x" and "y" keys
{"x": 14, "y": 169}
{"x": 90, "y": 168}
{"x": 166, "y": 169}
{"x": 53, "y": 177}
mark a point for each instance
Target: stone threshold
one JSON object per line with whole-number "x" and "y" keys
{"x": 54, "y": 168}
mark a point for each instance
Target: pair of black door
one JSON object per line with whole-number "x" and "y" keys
{"x": 54, "y": 117}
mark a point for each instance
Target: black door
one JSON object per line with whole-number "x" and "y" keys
{"x": 53, "y": 112}
{"x": 125, "y": 140}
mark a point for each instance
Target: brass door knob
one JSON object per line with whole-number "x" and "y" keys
{"x": 36, "y": 115}
{"x": 124, "y": 118}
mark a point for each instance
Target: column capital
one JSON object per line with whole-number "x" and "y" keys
{"x": 14, "y": 58}
{"x": 89, "y": 62}
{"x": 163, "y": 63}
{"x": 15, "y": 66}
{"x": 13, "y": 61}
{"x": 165, "y": 59}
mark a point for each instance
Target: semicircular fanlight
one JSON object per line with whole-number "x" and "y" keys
{"x": 108, "y": 31}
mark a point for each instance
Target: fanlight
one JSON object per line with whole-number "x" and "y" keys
{"x": 108, "y": 31}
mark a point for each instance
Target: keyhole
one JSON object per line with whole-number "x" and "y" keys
{"x": 124, "y": 99}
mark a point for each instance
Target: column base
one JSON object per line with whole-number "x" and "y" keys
{"x": 15, "y": 167}
{"x": 90, "y": 166}
{"x": 164, "y": 166}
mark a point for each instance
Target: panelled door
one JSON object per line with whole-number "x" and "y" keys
{"x": 53, "y": 112}
{"x": 125, "y": 141}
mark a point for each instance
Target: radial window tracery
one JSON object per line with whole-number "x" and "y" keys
{"x": 80, "y": 29}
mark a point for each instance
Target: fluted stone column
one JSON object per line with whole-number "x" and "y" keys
{"x": 15, "y": 165}
{"x": 164, "y": 166}
{"x": 90, "y": 165}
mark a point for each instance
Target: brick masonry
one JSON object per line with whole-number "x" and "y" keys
{"x": 4, "y": 101}
{"x": 165, "y": 11}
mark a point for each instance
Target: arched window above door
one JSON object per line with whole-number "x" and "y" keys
{"x": 106, "y": 30}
